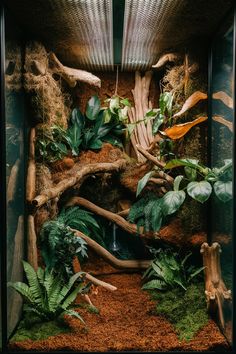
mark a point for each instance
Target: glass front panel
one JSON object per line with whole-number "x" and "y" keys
{"x": 222, "y": 158}
{"x": 15, "y": 169}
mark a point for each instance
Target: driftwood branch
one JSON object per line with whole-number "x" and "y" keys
{"x": 77, "y": 180}
{"x": 70, "y": 75}
{"x": 100, "y": 282}
{"x": 31, "y": 173}
{"x": 117, "y": 219}
{"x": 112, "y": 260}
{"x": 166, "y": 58}
{"x": 32, "y": 243}
{"x": 150, "y": 157}
{"x": 142, "y": 133}
{"x": 216, "y": 292}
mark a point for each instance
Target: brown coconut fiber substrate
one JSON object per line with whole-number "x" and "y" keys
{"x": 125, "y": 322}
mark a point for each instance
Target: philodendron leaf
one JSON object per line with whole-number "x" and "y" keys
{"x": 182, "y": 162}
{"x": 172, "y": 201}
{"x": 177, "y": 182}
{"x": 114, "y": 104}
{"x": 77, "y": 118}
{"x": 142, "y": 182}
{"x": 93, "y": 108}
{"x": 157, "y": 122}
{"x": 191, "y": 173}
{"x": 224, "y": 190}
{"x": 199, "y": 191}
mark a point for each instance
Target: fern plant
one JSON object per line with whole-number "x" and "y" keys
{"x": 59, "y": 245}
{"x": 46, "y": 296}
{"x": 167, "y": 271}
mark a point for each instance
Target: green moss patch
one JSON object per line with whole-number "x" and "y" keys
{"x": 186, "y": 310}
{"x": 38, "y": 331}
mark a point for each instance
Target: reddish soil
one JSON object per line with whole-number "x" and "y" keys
{"x": 125, "y": 322}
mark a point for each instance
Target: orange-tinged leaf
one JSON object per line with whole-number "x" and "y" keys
{"x": 179, "y": 130}
{"x": 191, "y": 101}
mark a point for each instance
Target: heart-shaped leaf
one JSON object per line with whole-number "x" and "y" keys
{"x": 224, "y": 190}
{"x": 142, "y": 182}
{"x": 93, "y": 108}
{"x": 114, "y": 104}
{"x": 199, "y": 191}
{"x": 172, "y": 201}
{"x": 177, "y": 182}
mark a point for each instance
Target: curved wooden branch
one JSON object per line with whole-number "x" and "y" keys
{"x": 112, "y": 260}
{"x": 79, "y": 177}
{"x": 70, "y": 75}
{"x": 100, "y": 282}
{"x": 32, "y": 243}
{"x": 117, "y": 219}
{"x": 166, "y": 58}
{"x": 150, "y": 157}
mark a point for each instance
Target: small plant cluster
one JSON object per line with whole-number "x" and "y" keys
{"x": 198, "y": 181}
{"x": 59, "y": 245}
{"x": 47, "y": 296}
{"x": 167, "y": 271}
{"x": 85, "y": 132}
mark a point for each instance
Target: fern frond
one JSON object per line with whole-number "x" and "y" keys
{"x": 33, "y": 281}
{"x": 73, "y": 314}
{"x": 24, "y": 290}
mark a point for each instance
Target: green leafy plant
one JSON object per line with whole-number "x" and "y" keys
{"x": 46, "y": 295}
{"x": 200, "y": 180}
{"x": 164, "y": 112}
{"x": 59, "y": 245}
{"x": 167, "y": 271}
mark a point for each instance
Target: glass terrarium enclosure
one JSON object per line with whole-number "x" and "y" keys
{"x": 117, "y": 176}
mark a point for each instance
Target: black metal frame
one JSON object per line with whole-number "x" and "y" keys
{"x": 3, "y": 192}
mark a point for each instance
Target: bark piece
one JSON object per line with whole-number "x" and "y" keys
{"x": 217, "y": 295}
{"x": 109, "y": 258}
{"x": 70, "y": 75}
{"x": 32, "y": 243}
{"x": 77, "y": 180}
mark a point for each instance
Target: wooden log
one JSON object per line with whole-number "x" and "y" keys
{"x": 31, "y": 173}
{"x": 216, "y": 292}
{"x": 109, "y": 258}
{"x": 70, "y": 75}
{"x": 12, "y": 182}
{"x": 100, "y": 282}
{"x": 150, "y": 157}
{"x": 32, "y": 243}
{"x": 78, "y": 179}
{"x": 117, "y": 219}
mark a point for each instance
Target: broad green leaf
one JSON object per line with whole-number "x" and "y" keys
{"x": 172, "y": 201}
{"x": 77, "y": 118}
{"x": 107, "y": 116}
{"x": 177, "y": 182}
{"x": 194, "y": 274}
{"x": 125, "y": 102}
{"x": 155, "y": 284}
{"x": 95, "y": 143}
{"x": 223, "y": 190}
{"x": 113, "y": 140}
{"x": 93, "y": 108}
{"x": 130, "y": 127}
{"x": 114, "y": 104}
{"x": 191, "y": 173}
{"x": 182, "y": 162}
{"x": 158, "y": 121}
{"x": 165, "y": 102}
{"x": 199, "y": 191}
{"x": 142, "y": 182}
